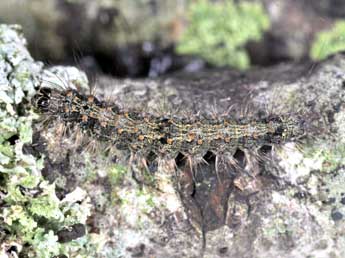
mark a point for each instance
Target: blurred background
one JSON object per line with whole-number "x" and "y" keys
{"x": 150, "y": 38}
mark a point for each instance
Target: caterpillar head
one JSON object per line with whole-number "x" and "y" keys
{"x": 48, "y": 100}
{"x": 41, "y": 101}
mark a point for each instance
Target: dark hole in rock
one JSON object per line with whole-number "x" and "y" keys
{"x": 73, "y": 232}
{"x": 13, "y": 139}
{"x": 266, "y": 149}
{"x": 163, "y": 140}
{"x": 343, "y": 85}
{"x": 38, "y": 146}
{"x": 13, "y": 248}
{"x": 342, "y": 201}
{"x": 114, "y": 159}
{"x": 223, "y": 250}
{"x": 137, "y": 251}
{"x": 300, "y": 195}
{"x": 152, "y": 162}
{"x": 209, "y": 157}
{"x": 21, "y": 111}
{"x": 180, "y": 160}
{"x": 336, "y": 215}
{"x": 61, "y": 256}
{"x": 239, "y": 157}
{"x": 330, "y": 117}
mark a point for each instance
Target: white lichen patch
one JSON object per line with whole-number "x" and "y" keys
{"x": 30, "y": 210}
{"x": 135, "y": 204}
{"x": 307, "y": 215}
{"x": 295, "y": 225}
{"x": 296, "y": 165}
{"x": 65, "y": 77}
{"x": 339, "y": 121}
{"x": 169, "y": 198}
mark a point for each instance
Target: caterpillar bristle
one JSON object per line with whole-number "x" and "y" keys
{"x": 102, "y": 125}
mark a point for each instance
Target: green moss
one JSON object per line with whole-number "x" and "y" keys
{"x": 328, "y": 158}
{"x": 329, "y": 42}
{"x": 6, "y": 153}
{"x": 333, "y": 158}
{"x": 17, "y": 218}
{"x": 115, "y": 174}
{"x": 278, "y": 226}
{"x": 150, "y": 202}
{"x": 218, "y": 31}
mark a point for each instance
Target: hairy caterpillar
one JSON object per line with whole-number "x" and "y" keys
{"x": 163, "y": 136}
{"x": 168, "y": 138}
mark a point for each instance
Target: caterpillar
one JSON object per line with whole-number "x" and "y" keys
{"x": 164, "y": 136}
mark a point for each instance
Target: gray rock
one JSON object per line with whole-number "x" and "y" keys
{"x": 284, "y": 208}
{"x": 287, "y": 205}
{"x": 281, "y": 209}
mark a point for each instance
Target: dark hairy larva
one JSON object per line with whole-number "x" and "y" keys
{"x": 166, "y": 136}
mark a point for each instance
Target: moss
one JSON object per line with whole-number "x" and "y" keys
{"x": 333, "y": 157}
{"x": 147, "y": 199}
{"x": 329, "y": 42}
{"x": 218, "y": 31}
{"x": 115, "y": 174}
{"x": 278, "y": 226}
{"x": 325, "y": 157}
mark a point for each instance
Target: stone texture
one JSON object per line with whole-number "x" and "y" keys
{"x": 288, "y": 205}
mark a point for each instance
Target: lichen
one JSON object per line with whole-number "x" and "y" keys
{"x": 328, "y": 42}
{"x": 30, "y": 212}
{"x": 222, "y": 41}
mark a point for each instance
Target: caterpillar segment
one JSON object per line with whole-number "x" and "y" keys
{"x": 164, "y": 136}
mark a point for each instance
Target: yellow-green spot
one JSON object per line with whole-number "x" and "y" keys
{"x": 145, "y": 199}
{"x": 329, "y": 42}
{"x": 333, "y": 158}
{"x": 116, "y": 173}
{"x": 218, "y": 31}
{"x": 6, "y": 153}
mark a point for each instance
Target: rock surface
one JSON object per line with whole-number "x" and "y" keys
{"x": 291, "y": 204}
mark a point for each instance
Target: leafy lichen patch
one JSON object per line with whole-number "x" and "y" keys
{"x": 328, "y": 42}
{"x": 208, "y": 30}
{"x": 31, "y": 212}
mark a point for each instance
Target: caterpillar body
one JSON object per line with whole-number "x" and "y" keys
{"x": 165, "y": 136}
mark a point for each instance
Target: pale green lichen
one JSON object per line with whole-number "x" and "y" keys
{"x": 329, "y": 42}
{"x": 116, "y": 174}
{"x": 65, "y": 77}
{"x": 313, "y": 200}
{"x": 31, "y": 213}
{"x": 298, "y": 162}
{"x": 218, "y": 31}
